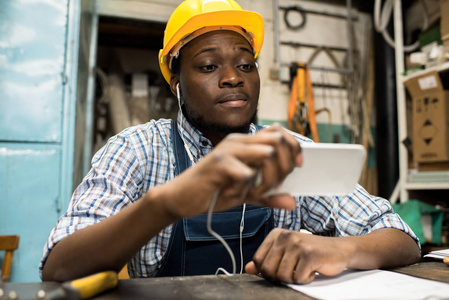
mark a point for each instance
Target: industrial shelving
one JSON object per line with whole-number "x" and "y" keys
{"x": 410, "y": 179}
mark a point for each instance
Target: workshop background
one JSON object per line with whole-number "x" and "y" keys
{"x": 75, "y": 72}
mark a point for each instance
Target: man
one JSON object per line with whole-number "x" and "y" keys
{"x": 132, "y": 209}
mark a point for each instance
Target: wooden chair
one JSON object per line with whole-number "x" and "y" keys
{"x": 8, "y": 243}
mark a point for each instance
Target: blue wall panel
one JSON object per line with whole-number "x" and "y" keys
{"x": 32, "y": 58}
{"x": 29, "y": 198}
{"x": 38, "y": 39}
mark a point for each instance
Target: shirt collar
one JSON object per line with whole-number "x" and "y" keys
{"x": 197, "y": 143}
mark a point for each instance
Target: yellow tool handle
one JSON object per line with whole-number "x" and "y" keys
{"x": 446, "y": 260}
{"x": 94, "y": 284}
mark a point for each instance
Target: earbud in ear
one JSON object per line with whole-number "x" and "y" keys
{"x": 178, "y": 95}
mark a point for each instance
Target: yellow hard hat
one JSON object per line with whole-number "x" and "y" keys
{"x": 207, "y": 15}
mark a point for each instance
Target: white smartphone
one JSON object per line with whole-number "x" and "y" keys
{"x": 328, "y": 169}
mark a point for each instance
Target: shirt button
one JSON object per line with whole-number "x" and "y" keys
{"x": 204, "y": 143}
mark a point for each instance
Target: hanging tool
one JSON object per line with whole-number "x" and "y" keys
{"x": 83, "y": 288}
{"x": 301, "y": 108}
{"x": 334, "y": 60}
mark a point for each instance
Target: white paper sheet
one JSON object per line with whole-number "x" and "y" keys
{"x": 373, "y": 284}
{"x": 438, "y": 254}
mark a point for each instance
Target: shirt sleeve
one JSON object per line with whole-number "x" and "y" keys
{"x": 356, "y": 214}
{"x": 111, "y": 184}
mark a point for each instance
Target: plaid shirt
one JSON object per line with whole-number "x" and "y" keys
{"x": 142, "y": 157}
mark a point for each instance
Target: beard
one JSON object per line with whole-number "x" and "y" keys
{"x": 217, "y": 127}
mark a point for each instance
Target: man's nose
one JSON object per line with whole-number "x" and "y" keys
{"x": 230, "y": 77}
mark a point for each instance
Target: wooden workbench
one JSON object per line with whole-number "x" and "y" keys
{"x": 213, "y": 287}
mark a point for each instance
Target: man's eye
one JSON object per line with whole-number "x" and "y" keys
{"x": 246, "y": 67}
{"x": 208, "y": 68}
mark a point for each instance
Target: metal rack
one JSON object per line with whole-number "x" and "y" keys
{"x": 349, "y": 18}
{"x": 410, "y": 179}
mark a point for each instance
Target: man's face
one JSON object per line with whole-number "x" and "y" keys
{"x": 219, "y": 82}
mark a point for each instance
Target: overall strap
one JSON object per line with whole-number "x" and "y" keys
{"x": 181, "y": 156}
{"x": 168, "y": 267}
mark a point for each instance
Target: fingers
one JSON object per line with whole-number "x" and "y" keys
{"x": 303, "y": 273}
{"x": 285, "y": 154}
{"x": 284, "y": 257}
{"x": 288, "y": 139}
{"x": 286, "y": 150}
{"x": 264, "y": 260}
{"x": 251, "y": 268}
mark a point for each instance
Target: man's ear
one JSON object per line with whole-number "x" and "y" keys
{"x": 174, "y": 81}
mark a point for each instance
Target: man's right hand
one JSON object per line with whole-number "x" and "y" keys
{"x": 232, "y": 168}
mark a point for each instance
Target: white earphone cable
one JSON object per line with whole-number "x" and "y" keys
{"x": 211, "y": 209}
{"x": 178, "y": 96}
{"x": 217, "y": 236}
{"x": 242, "y": 226}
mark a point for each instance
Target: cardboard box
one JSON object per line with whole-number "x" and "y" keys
{"x": 444, "y": 19}
{"x": 446, "y": 42}
{"x": 430, "y": 118}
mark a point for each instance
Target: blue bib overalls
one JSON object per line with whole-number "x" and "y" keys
{"x": 193, "y": 251}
